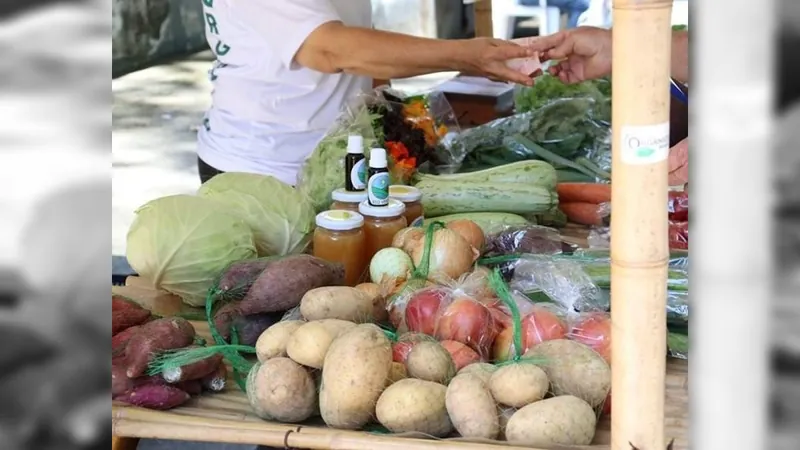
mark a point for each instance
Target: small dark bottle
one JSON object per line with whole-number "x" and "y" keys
{"x": 355, "y": 165}
{"x": 378, "y": 179}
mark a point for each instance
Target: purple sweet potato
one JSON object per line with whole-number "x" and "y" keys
{"x": 216, "y": 381}
{"x": 154, "y": 396}
{"x": 194, "y": 371}
{"x": 240, "y": 275}
{"x": 154, "y": 337}
{"x": 120, "y": 383}
{"x": 280, "y": 286}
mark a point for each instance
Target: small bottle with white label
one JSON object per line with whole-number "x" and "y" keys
{"x": 355, "y": 165}
{"x": 378, "y": 179}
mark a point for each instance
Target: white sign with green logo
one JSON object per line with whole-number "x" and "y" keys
{"x": 645, "y": 144}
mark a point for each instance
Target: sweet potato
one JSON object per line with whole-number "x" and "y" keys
{"x": 124, "y": 319}
{"x": 215, "y": 382}
{"x": 191, "y": 387}
{"x": 194, "y": 371}
{"x": 154, "y": 396}
{"x": 120, "y": 303}
{"x": 154, "y": 337}
{"x": 120, "y": 340}
{"x": 281, "y": 286}
{"x": 240, "y": 275}
{"x": 120, "y": 383}
{"x": 249, "y": 328}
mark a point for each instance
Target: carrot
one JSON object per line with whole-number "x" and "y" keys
{"x": 582, "y": 213}
{"x": 584, "y": 193}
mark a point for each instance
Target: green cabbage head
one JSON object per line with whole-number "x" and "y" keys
{"x": 282, "y": 219}
{"x": 181, "y": 244}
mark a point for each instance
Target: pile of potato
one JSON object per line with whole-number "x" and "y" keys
{"x": 336, "y": 363}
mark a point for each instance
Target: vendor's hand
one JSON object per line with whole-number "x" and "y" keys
{"x": 679, "y": 164}
{"x": 582, "y": 53}
{"x": 487, "y": 57}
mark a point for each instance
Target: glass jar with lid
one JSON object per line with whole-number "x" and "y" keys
{"x": 381, "y": 223}
{"x": 347, "y": 200}
{"x": 340, "y": 237}
{"x": 412, "y": 198}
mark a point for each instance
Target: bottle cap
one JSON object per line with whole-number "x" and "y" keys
{"x": 377, "y": 158}
{"x": 355, "y": 144}
{"x": 343, "y": 195}
{"x": 395, "y": 208}
{"x": 405, "y": 194}
{"x": 339, "y": 220}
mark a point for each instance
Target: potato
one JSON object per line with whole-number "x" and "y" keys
{"x": 518, "y": 385}
{"x": 280, "y": 389}
{"x": 429, "y": 361}
{"x": 564, "y": 420}
{"x": 309, "y": 343}
{"x": 414, "y": 405}
{"x": 482, "y": 369}
{"x": 354, "y": 374}
{"x": 574, "y": 369}
{"x": 472, "y": 408}
{"x": 379, "y": 311}
{"x": 396, "y": 373}
{"x": 272, "y": 342}
{"x": 338, "y": 302}
{"x": 504, "y": 413}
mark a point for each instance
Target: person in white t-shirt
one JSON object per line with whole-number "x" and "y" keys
{"x": 285, "y": 68}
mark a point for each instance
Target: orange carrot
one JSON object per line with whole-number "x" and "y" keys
{"x": 584, "y": 192}
{"x": 582, "y": 213}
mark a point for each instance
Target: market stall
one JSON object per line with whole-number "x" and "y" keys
{"x": 428, "y": 286}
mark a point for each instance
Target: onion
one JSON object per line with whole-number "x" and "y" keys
{"x": 390, "y": 264}
{"x": 407, "y": 238}
{"x": 470, "y": 231}
{"x": 451, "y": 254}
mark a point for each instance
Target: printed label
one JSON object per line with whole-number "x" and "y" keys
{"x": 418, "y": 222}
{"x": 378, "y": 189}
{"x": 358, "y": 175}
{"x": 645, "y": 144}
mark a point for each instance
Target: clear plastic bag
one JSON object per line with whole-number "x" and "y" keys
{"x": 562, "y": 281}
{"x": 532, "y": 239}
{"x": 592, "y": 329}
{"x": 417, "y": 130}
{"x": 565, "y": 132}
{"x": 678, "y": 236}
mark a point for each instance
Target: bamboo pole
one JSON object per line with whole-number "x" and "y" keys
{"x": 639, "y": 247}
{"x": 483, "y": 19}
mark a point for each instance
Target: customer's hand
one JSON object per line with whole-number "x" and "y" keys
{"x": 679, "y": 164}
{"x": 581, "y": 54}
{"x": 487, "y": 57}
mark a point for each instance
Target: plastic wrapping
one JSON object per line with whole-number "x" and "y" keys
{"x": 416, "y": 132}
{"x": 533, "y": 239}
{"x": 600, "y": 233}
{"x": 565, "y": 132}
{"x": 678, "y": 235}
{"x": 592, "y": 329}
{"x": 323, "y": 172}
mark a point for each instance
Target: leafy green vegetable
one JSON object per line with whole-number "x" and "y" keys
{"x": 181, "y": 243}
{"x": 281, "y": 218}
{"x": 547, "y": 88}
{"x": 323, "y": 171}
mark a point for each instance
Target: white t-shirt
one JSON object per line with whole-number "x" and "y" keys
{"x": 268, "y": 113}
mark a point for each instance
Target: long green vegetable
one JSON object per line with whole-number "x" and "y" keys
{"x": 555, "y": 159}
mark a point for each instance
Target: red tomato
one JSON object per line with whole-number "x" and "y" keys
{"x": 466, "y": 321}
{"x": 594, "y": 331}
{"x": 423, "y": 310}
{"x": 538, "y": 326}
{"x": 461, "y": 354}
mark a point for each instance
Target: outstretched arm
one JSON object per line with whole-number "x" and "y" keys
{"x": 335, "y": 47}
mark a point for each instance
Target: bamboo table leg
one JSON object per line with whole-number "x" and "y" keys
{"x": 124, "y": 443}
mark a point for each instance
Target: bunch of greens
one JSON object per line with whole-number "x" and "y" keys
{"x": 547, "y": 88}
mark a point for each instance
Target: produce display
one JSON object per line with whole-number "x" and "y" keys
{"x": 415, "y": 280}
